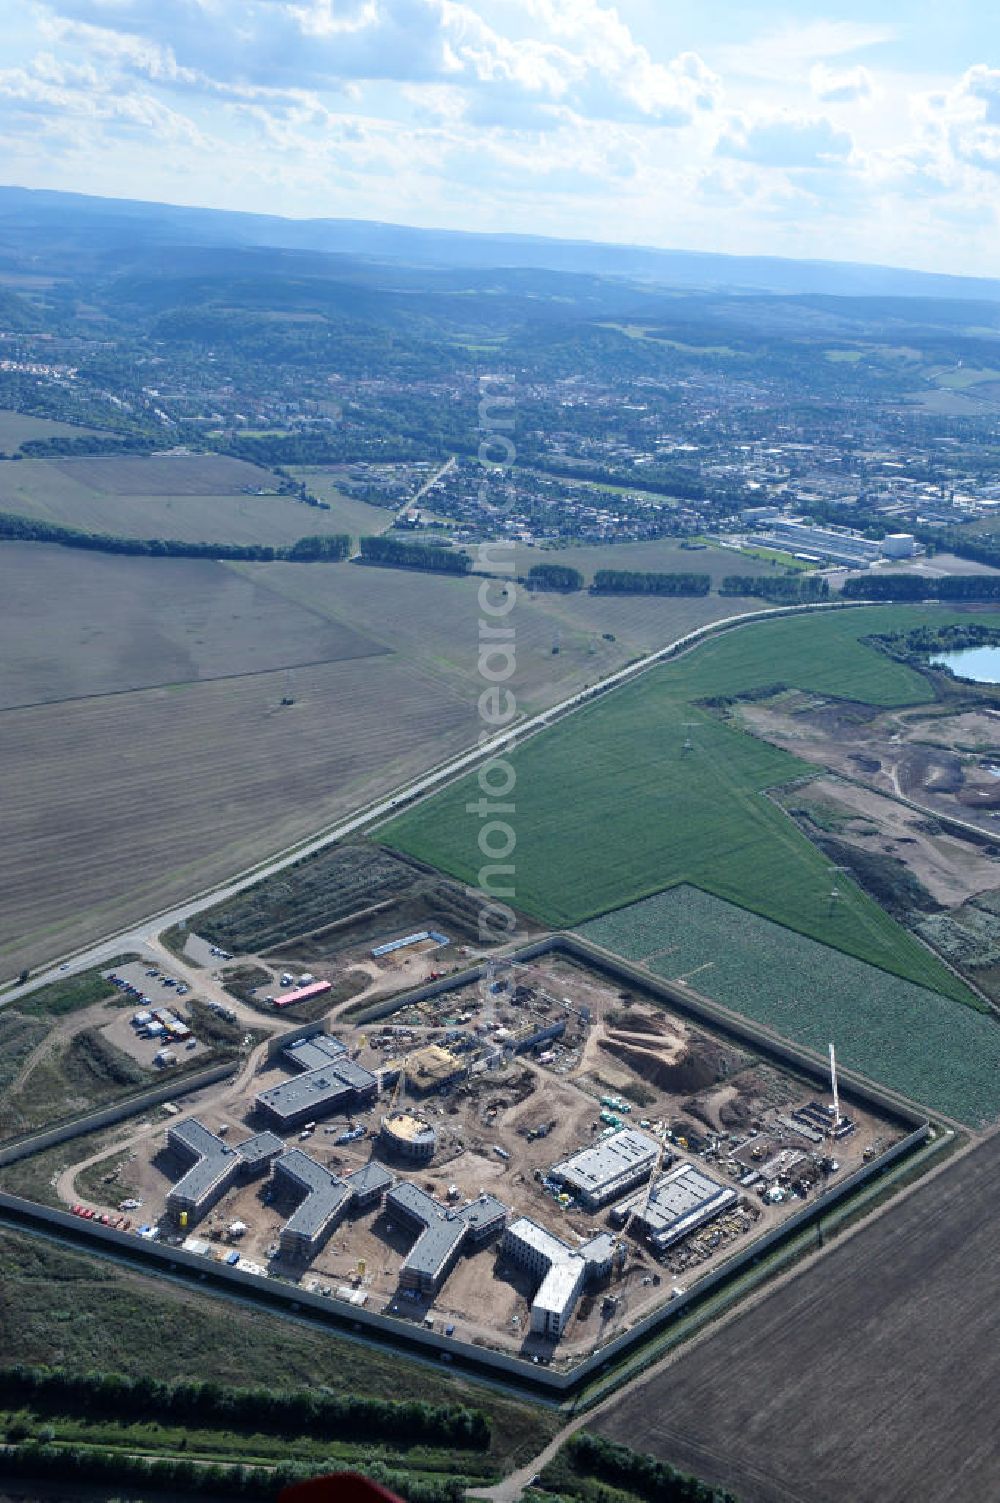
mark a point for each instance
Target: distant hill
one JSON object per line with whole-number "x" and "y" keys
{"x": 59, "y": 227}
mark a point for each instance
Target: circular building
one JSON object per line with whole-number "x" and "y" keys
{"x": 408, "y": 1137}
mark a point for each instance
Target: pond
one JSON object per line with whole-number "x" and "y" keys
{"x": 980, "y": 664}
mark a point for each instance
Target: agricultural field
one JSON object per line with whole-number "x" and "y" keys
{"x": 127, "y": 802}
{"x": 610, "y": 807}
{"x": 190, "y": 498}
{"x": 90, "y": 624}
{"x": 905, "y": 1036}
{"x": 895, "y": 1335}
{"x": 17, "y": 428}
{"x": 562, "y": 642}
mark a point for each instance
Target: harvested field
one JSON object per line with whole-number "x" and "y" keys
{"x": 17, "y": 428}
{"x": 92, "y": 624}
{"x": 870, "y": 1375}
{"x": 434, "y": 619}
{"x": 164, "y": 474}
{"x": 359, "y": 518}
{"x": 905, "y": 1036}
{"x": 193, "y": 498}
{"x": 128, "y": 802}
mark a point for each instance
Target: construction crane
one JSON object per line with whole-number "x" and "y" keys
{"x": 649, "y": 1188}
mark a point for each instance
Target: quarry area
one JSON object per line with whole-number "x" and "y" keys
{"x": 533, "y": 1161}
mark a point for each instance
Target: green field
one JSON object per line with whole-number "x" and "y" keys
{"x": 890, "y": 1030}
{"x": 609, "y": 808}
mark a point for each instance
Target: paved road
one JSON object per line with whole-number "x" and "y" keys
{"x": 365, "y": 819}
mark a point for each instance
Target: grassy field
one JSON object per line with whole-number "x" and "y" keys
{"x": 17, "y": 428}
{"x": 59, "y": 1308}
{"x": 86, "y": 624}
{"x": 661, "y": 555}
{"x": 193, "y": 498}
{"x": 359, "y": 518}
{"x": 909, "y": 1038}
{"x": 868, "y": 1376}
{"x": 610, "y": 808}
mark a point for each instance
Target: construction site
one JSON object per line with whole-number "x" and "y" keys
{"x": 532, "y": 1160}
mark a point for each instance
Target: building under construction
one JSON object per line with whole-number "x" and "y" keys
{"x": 603, "y": 1173}
{"x": 678, "y": 1204}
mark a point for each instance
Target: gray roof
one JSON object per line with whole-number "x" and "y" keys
{"x": 592, "y": 1169}
{"x": 372, "y": 1176}
{"x": 260, "y": 1148}
{"x": 443, "y": 1230}
{"x": 483, "y": 1214}
{"x": 317, "y": 1090}
{"x": 325, "y": 1195}
{"x": 214, "y": 1160}
{"x": 313, "y": 1053}
{"x": 681, "y": 1200}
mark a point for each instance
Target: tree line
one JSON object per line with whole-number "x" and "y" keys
{"x": 79, "y": 1465}
{"x": 631, "y": 1471}
{"x": 790, "y": 587}
{"x": 396, "y": 555}
{"x": 554, "y": 577}
{"x": 920, "y": 587}
{"x": 635, "y": 582}
{"x": 327, "y": 548}
{"x": 207, "y": 1404}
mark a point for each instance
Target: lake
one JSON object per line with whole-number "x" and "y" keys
{"x": 980, "y": 664}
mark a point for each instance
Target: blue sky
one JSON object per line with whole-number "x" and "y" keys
{"x": 864, "y": 132}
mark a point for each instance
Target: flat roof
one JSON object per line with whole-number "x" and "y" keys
{"x": 302, "y": 993}
{"x": 371, "y": 1176}
{"x": 559, "y": 1286}
{"x": 315, "y": 1089}
{"x": 598, "y": 1167}
{"x": 325, "y": 1194}
{"x": 444, "y": 1230}
{"x": 485, "y": 1211}
{"x": 214, "y": 1160}
{"x": 313, "y": 1053}
{"x": 262, "y": 1146}
{"x": 679, "y": 1202}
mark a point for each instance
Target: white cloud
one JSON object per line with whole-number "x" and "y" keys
{"x": 840, "y": 85}
{"x": 786, "y": 141}
{"x": 781, "y": 55}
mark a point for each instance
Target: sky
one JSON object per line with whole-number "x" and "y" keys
{"x": 868, "y": 132}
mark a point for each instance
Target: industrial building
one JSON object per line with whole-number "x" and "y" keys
{"x": 562, "y": 1271}
{"x": 442, "y": 1232}
{"x": 325, "y": 1200}
{"x": 683, "y": 1200}
{"x": 330, "y": 1083}
{"x": 841, "y": 547}
{"x": 408, "y": 1137}
{"x": 610, "y": 1169}
{"x": 214, "y": 1165}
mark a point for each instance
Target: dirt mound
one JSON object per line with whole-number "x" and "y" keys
{"x": 681, "y": 1071}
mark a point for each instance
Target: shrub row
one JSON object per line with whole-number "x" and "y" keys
{"x": 299, "y": 1411}
{"x": 71, "y": 1465}
{"x": 634, "y": 582}
{"x": 396, "y": 555}
{"x": 919, "y": 587}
